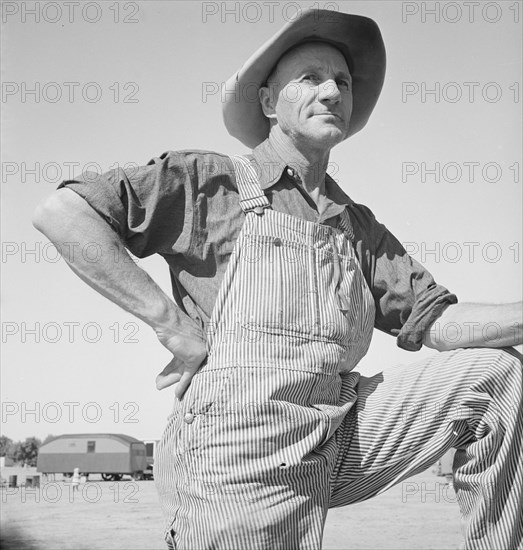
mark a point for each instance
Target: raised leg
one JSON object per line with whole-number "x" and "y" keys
{"x": 408, "y": 417}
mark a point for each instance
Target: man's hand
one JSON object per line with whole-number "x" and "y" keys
{"x": 188, "y": 355}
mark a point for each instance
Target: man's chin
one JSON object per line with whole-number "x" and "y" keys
{"x": 322, "y": 137}
{"x": 330, "y": 138}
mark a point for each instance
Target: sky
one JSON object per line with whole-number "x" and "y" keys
{"x": 102, "y": 84}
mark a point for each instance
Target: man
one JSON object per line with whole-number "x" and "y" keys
{"x": 279, "y": 279}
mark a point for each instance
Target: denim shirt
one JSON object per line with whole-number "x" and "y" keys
{"x": 184, "y": 205}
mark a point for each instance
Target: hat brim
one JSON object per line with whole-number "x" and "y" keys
{"x": 357, "y": 37}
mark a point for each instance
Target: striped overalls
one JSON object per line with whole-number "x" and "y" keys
{"x": 275, "y": 428}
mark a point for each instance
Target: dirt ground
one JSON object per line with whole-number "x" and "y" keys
{"x": 420, "y": 513}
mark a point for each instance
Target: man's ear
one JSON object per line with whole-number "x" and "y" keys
{"x": 267, "y": 101}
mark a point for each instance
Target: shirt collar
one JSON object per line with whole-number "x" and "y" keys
{"x": 271, "y": 167}
{"x": 270, "y": 164}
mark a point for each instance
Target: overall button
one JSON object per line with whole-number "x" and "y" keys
{"x": 259, "y": 210}
{"x": 277, "y": 241}
{"x": 189, "y": 418}
{"x": 291, "y": 172}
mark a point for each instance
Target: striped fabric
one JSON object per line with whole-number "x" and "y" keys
{"x": 275, "y": 427}
{"x": 407, "y": 417}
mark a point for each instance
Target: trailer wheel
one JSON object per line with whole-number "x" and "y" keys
{"x": 137, "y": 476}
{"x": 112, "y": 477}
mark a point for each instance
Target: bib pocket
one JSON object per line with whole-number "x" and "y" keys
{"x": 280, "y": 286}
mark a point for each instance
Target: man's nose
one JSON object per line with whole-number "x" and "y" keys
{"x": 329, "y": 91}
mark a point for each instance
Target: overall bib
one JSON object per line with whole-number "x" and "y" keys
{"x": 247, "y": 456}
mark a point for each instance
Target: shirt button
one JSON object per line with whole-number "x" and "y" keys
{"x": 189, "y": 418}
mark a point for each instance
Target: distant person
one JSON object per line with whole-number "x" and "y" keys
{"x": 75, "y": 481}
{"x": 279, "y": 279}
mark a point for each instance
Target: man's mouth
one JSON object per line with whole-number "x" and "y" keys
{"x": 330, "y": 115}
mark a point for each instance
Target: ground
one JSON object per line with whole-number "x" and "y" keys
{"x": 420, "y": 513}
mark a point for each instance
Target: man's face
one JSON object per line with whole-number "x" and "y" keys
{"x": 310, "y": 95}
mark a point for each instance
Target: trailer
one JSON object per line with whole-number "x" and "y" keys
{"x": 111, "y": 455}
{"x": 150, "y": 455}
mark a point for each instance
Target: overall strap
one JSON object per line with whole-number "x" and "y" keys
{"x": 346, "y": 225}
{"x": 252, "y": 196}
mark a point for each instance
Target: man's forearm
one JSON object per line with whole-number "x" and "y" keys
{"x": 477, "y": 325}
{"x": 67, "y": 218}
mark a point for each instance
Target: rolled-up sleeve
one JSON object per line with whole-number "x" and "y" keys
{"x": 407, "y": 298}
{"x": 150, "y": 207}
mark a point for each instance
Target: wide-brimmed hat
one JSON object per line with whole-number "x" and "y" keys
{"x": 359, "y": 40}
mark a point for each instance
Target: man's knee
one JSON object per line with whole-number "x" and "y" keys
{"x": 497, "y": 372}
{"x": 507, "y": 369}
{"x": 508, "y": 363}
{"x": 495, "y": 364}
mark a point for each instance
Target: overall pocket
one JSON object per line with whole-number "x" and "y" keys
{"x": 188, "y": 425}
{"x": 279, "y": 286}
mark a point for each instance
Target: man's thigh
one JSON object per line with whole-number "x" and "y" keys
{"x": 407, "y": 417}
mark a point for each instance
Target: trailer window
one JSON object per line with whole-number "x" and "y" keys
{"x": 149, "y": 449}
{"x": 91, "y": 446}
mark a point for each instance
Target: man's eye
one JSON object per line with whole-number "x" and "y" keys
{"x": 344, "y": 84}
{"x": 311, "y": 77}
